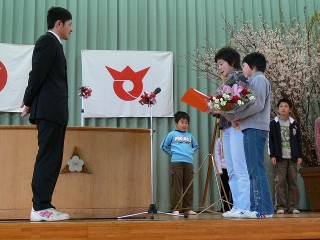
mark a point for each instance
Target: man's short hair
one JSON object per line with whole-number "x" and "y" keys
{"x": 57, "y": 13}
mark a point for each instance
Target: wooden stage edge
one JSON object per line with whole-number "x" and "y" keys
{"x": 204, "y": 226}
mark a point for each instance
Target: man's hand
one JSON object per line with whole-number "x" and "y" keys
{"x": 25, "y": 111}
{"x": 274, "y": 161}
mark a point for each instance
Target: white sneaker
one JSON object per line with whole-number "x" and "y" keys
{"x": 175, "y": 213}
{"x": 236, "y": 214}
{"x": 296, "y": 211}
{"x": 280, "y": 211}
{"x": 229, "y": 214}
{"x": 49, "y": 215}
{"x": 255, "y": 214}
{"x": 190, "y": 212}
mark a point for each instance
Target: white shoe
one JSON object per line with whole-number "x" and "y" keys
{"x": 49, "y": 215}
{"x": 296, "y": 211}
{"x": 255, "y": 214}
{"x": 190, "y": 212}
{"x": 175, "y": 213}
{"x": 236, "y": 214}
{"x": 230, "y": 213}
{"x": 280, "y": 211}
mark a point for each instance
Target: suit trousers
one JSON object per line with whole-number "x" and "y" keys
{"x": 48, "y": 162}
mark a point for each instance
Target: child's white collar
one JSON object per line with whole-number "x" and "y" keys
{"x": 290, "y": 119}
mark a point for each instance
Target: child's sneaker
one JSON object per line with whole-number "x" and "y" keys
{"x": 280, "y": 211}
{"x": 240, "y": 213}
{"x": 233, "y": 213}
{"x": 296, "y": 211}
{"x": 190, "y": 212}
{"x": 49, "y": 215}
{"x": 255, "y": 214}
{"x": 175, "y": 213}
{"x": 230, "y": 213}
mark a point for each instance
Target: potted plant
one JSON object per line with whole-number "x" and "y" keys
{"x": 294, "y": 73}
{"x": 311, "y": 175}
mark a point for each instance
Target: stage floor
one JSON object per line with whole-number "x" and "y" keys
{"x": 203, "y": 226}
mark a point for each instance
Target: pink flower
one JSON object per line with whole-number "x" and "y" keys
{"x": 235, "y": 90}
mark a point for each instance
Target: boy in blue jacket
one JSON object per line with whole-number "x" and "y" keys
{"x": 286, "y": 152}
{"x": 181, "y": 145}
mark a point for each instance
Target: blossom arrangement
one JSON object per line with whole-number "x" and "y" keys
{"x": 230, "y": 98}
{"x": 85, "y": 92}
{"x": 293, "y": 71}
{"x": 293, "y": 68}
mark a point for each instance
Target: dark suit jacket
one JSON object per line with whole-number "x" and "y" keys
{"x": 47, "y": 90}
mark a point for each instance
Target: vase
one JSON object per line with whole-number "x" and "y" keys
{"x": 311, "y": 178}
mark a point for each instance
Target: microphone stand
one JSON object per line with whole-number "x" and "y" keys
{"x": 152, "y": 207}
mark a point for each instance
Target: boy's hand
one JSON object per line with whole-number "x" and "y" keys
{"x": 274, "y": 161}
{"x": 299, "y": 160}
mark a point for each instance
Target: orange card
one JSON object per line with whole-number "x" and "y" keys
{"x": 195, "y": 99}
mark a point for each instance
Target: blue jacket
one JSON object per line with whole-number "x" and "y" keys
{"x": 275, "y": 147}
{"x": 180, "y": 146}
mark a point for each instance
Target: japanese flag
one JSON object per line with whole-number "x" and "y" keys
{"x": 15, "y": 65}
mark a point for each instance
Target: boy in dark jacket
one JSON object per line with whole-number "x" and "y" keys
{"x": 286, "y": 152}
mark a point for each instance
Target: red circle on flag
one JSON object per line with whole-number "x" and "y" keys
{"x": 3, "y": 76}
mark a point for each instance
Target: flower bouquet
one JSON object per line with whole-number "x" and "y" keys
{"x": 148, "y": 98}
{"x": 230, "y": 98}
{"x": 85, "y": 92}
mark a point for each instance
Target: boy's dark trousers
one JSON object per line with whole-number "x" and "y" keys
{"x": 285, "y": 174}
{"x": 181, "y": 176}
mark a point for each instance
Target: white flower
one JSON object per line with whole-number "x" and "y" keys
{"x": 240, "y": 103}
{"x": 225, "y": 96}
{"x": 216, "y": 106}
{"x": 75, "y": 164}
{"x": 251, "y": 98}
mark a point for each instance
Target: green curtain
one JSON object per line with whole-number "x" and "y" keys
{"x": 156, "y": 25}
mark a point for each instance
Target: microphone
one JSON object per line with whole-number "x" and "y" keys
{"x": 149, "y": 98}
{"x": 157, "y": 90}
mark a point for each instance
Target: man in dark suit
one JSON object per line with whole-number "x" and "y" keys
{"x": 46, "y": 99}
